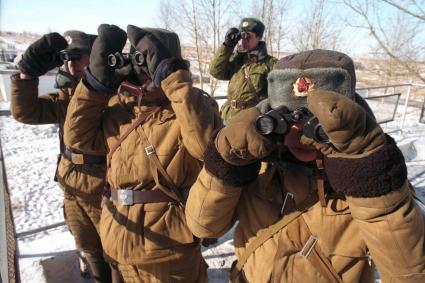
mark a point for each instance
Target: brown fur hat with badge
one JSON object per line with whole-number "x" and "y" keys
{"x": 296, "y": 75}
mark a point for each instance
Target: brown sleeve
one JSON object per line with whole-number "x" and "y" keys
{"x": 393, "y": 228}
{"x": 83, "y": 125}
{"x": 211, "y": 206}
{"x": 29, "y": 108}
{"x": 197, "y": 114}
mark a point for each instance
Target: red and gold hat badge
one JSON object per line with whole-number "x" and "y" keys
{"x": 303, "y": 86}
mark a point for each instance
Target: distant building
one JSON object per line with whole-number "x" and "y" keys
{"x": 8, "y": 52}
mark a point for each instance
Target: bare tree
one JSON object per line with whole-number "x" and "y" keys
{"x": 271, "y": 13}
{"x": 399, "y": 35}
{"x": 200, "y": 23}
{"x": 279, "y": 31}
{"x": 417, "y": 11}
{"x": 217, "y": 14}
{"x": 166, "y": 16}
{"x": 317, "y": 30}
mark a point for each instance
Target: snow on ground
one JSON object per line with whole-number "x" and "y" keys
{"x": 30, "y": 155}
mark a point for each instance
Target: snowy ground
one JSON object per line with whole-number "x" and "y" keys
{"x": 30, "y": 155}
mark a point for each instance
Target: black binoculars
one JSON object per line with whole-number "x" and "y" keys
{"x": 119, "y": 59}
{"x": 66, "y": 55}
{"x": 245, "y": 35}
{"x": 279, "y": 121}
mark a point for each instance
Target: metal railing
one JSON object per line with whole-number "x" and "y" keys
{"x": 9, "y": 268}
{"x": 391, "y": 87}
{"x": 409, "y": 86}
{"x": 40, "y": 229}
{"x": 382, "y": 98}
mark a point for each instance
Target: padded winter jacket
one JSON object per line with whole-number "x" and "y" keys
{"x": 85, "y": 181}
{"x": 179, "y": 132}
{"x": 385, "y": 227}
{"x": 81, "y": 183}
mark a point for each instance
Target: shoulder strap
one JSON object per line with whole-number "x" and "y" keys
{"x": 321, "y": 182}
{"x": 273, "y": 229}
{"x": 155, "y": 165}
{"x": 311, "y": 251}
{"x": 135, "y": 124}
{"x": 248, "y": 80}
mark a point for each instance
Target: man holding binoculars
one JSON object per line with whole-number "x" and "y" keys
{"x": 312, "y": 205}
{"x": 142, "y": 110}
{"x": 81, "y": 176}
{"x": 246, "y": 69}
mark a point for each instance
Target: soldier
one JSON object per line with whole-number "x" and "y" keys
{"x": 330, "y": 195}
{"x": 246, "y": 69}
{"x": 155, "y": 131}
{"x": 81, "y": 176}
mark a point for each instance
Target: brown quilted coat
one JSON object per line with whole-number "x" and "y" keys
{"x": 388, "y": 229}
{"x": 82, "y": 184}
{"x": 153, "y": 232}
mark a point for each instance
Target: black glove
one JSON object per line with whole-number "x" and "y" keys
{"x": 100, "y": 75}
{"x": 168, "y": 66}
{"x": 232, "y": 37}
{"x": 42, "y": 55}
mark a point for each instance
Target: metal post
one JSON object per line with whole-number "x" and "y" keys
{"x": 406, "y": 103}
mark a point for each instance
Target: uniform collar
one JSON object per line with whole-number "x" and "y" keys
{"x": 256, "y": 55}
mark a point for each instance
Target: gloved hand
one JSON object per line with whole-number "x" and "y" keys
{"x": 232, "y": 37}
{"x": 168, "y": 66}
{"x": 240, "y": 144}
{"x": 100, "y": 75}
{"x": 42, "y": 55}
{"x": 349, "y": 128}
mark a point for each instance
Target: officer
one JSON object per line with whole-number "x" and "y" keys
{"x": 81, "y": 176}
{"x": 246, "y": 69}
{"x": 142, "y": 110}
{"x": 331, "y": 194}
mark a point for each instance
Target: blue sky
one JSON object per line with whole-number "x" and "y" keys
{"x": 42, "y": 16}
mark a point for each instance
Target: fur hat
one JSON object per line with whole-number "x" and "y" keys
{"x": 296, "y": 75}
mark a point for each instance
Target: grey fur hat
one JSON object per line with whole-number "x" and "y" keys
{"x": 296, "y": 75}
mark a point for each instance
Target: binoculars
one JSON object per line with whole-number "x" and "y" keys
{"x": 119, "y": 59}
{"x": 279, "y": 121}
{"x": 244, "y": 35}
{"x": 66, "y": 55}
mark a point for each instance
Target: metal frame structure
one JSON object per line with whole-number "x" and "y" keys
{"x": 395, "y": 105}
{"x": 409, "y": 86}
{"x": 9, "y": 268}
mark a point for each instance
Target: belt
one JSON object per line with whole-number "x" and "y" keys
{"x": 130, "y": 197}
{"x": 241, "y": 104}
{"x": 79, "y": 158}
